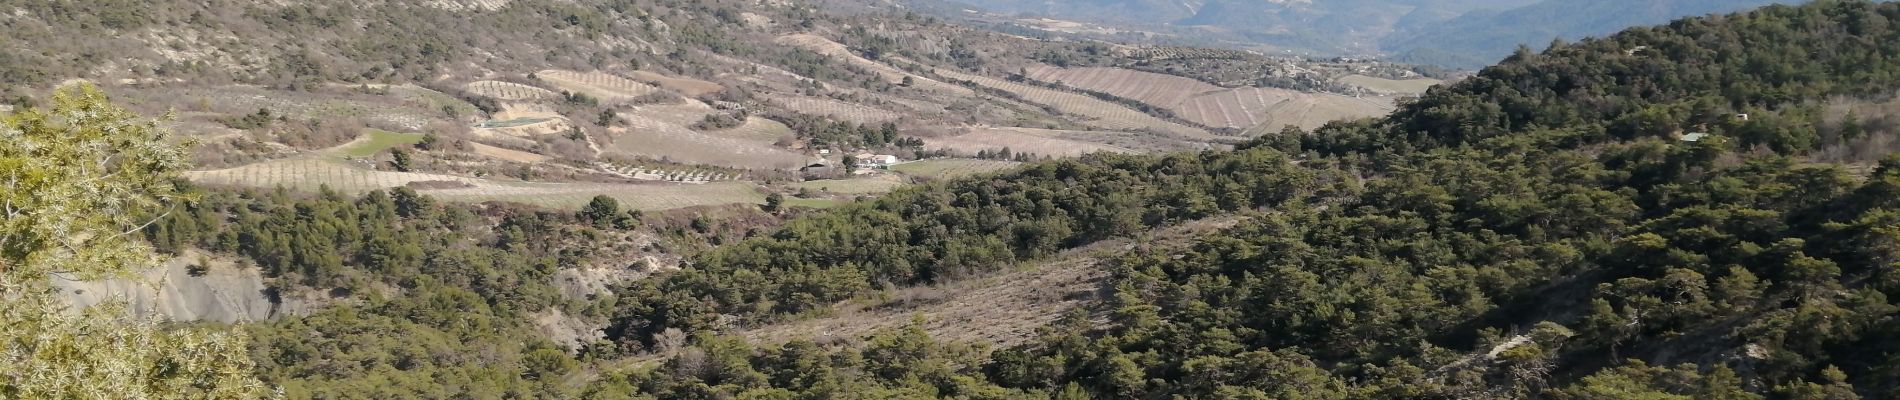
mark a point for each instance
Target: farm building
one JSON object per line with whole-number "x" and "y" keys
{"x": 816, "y": 169}
{"x": 876, "y": 160}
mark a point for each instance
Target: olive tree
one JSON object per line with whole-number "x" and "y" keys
{"x": 77, "y": 183}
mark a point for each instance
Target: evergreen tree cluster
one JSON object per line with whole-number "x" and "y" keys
{"x": 1537, "y": 231}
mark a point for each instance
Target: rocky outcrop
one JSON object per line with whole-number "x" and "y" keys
{"x": 179, "y": 290}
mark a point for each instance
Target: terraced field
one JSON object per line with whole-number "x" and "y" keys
{"x": 821, "y": 45}
{"x": 1215, "y": 106}
{"x": 687, "y": 175}
{"x": 1021, "y": 140}
{"x": 509, "y": 91}
{"x": 1394, "y": 86}
{"x": 308, "y": 174}
{"x": 945, "y": 168}
{"x": 687, "y": 86}
{"x": 1160, "y": 90}
{"x": 658, "y": 139}
{"x": 832, "y": 108}
{"x": 1093, "y": 112}
{"x": 600, "y": 85}
{"x": 1249, "y": 107}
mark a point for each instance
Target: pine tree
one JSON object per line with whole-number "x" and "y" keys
{"x": 600, "y": 211}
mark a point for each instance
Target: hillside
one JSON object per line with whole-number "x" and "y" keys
{"x": 660, "y": 104}
{"x": 1545, "y": 229}
{"x": 737, "y": 199}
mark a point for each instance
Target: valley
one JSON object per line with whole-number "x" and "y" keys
{"x": 738, "y": 199}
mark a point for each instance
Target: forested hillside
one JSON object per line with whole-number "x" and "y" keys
{"x": 1702, "y": 210}
{"x": 1554, "y": 227}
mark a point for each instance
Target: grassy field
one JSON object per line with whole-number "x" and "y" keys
{"x": 945, "y": 168}
{"x": 756, "y": 129}
{"x": 376, "y": 141}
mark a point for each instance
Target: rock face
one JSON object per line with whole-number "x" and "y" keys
{"x": 222, "y": 293}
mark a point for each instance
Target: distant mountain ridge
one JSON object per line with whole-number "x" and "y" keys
{"x": 1455, "y": 33}
{"x": 1481, "y": 38}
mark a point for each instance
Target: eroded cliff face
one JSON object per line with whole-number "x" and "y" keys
{"x": 222, "y": 292}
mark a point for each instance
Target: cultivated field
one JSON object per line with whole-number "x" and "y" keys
{"x": 391, "y": 112}
{"x": 509, "y": 91}
{"x": 874, "y": 184}
{"x": 687, "y": 86}
{"x": 308, "y": 174}
{"x": 945, "y": 168}
{"x": 600, "y": 85}
{"x": 832, "y": 108}
{"x": 1160, "y": 90}
{"x": 657, "y": 139}
{"x": 1094, "y": 112}
{"x": 665, "y": 174}
{"x": 507, "y": 154}
{"x": 1394, "y": 86}
{"x": 684, "y": 114}
{"x": 1214, "y": 106}
{"x": 821, "y": 45}
{"x": 521, "y": 127}
{"x": 1249, "y": 107}
{"x": 756, "y": 129}
{"x": 1020, "y": 140}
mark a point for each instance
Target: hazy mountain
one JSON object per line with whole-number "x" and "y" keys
{"x": 1482, "y": 37}
{"x": 1461, "y": 33}
{"x": 1320, "y": 26}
